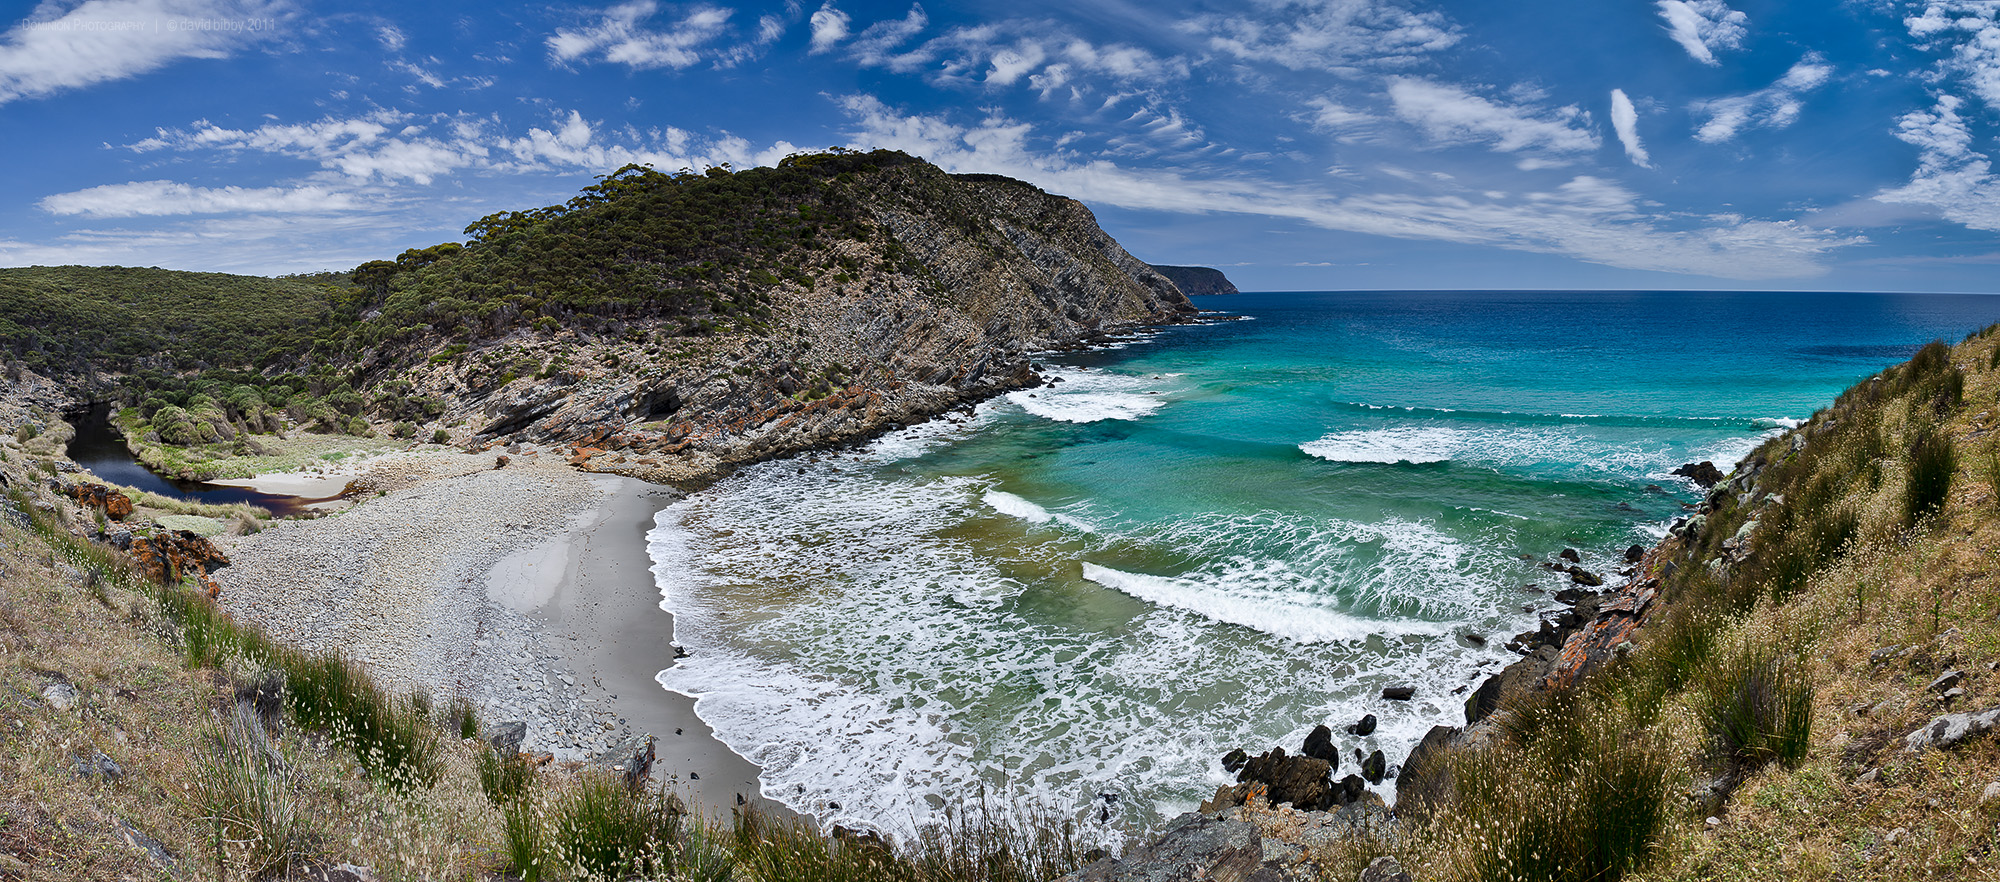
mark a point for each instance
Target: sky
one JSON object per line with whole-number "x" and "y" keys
{"x": 1318, "y": 145}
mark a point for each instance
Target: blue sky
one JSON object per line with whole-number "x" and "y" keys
{"x": 1336, "y": 144}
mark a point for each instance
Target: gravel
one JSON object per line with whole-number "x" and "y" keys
{"x": 399, "y": 583}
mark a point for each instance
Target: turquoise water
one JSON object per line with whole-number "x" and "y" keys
{"x": 1222, "y": 535}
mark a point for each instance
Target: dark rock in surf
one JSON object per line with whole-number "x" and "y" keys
{"x": 1570, "y": 554}
{"x": 1233, "y": 761}
{"x": 1635, "y": 554}
{"x": 1319, "y": 745}
{"x": 1365, "y": 727}
{"x": 1703, "y": 473}
{"x": 1303, "y": 781}
{"x": 1375, "y": 767}
{"x": 1582, "y": 576}
{"x": 1400, "y": 693}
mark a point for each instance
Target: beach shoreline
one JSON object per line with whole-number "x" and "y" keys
{"x": 527, "y": 588}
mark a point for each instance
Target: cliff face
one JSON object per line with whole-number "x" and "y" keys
{"x": 956, "y": 281}
{"x": 1197, "y": 280}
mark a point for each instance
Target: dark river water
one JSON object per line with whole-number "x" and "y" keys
{"x": 99, "y": 448}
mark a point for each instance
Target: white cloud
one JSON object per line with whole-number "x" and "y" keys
{"x": 390, "y": 146}
{"x": 829, "y": 27}
{"x": 162, "y": 198}
{"x": 1588, "y": 219}
{"x": 1977, "y": 58}
{"x": 1775, "y": 106}
{"x": 620, "y": 36}
{"x": 876, "y": 47}
{"x": 391, "y": 37}
{"x": 1625, "y": 121}
{"x": 1334, "y": 35}
{"x": 1452, "y": 115}
{"x": 1703, "y": 26}
{"x": 98, "y": 41}
{"x": 1951, "y": 176}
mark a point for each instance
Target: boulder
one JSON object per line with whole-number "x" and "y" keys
{"x": 1571, "y": 555}
{"x": 1635, "y": 554}
{"x": 1582, "y": 576}
{"x": 1233, "y": 761}
{"x": 1384, "y": 869}
{"x": 1364, "y": 727}
{"x": 1952, "y": 729}
{"x": 1196, "y": 846}
{"x": 1703, "y": 473}
{"x": 115, "y": 505}
{"x": 1375, "y": 767}
{"x": 1400, "y": 693}
{"x": 1319, "y": 745}
{"x": 170, "y": 556}
{"x": 1303, "y": 781}
{"x": 1946, "y": 682}
{"x": 1426, "y": 778}
{"x": 507, "y": 737}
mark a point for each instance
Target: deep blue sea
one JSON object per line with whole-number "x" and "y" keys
{"x": 1222, "y": 535}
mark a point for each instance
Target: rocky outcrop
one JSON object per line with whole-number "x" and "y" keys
{"x": 1197, "y": 281}
{"x": 170, "y": 556}
{"x": 1704, "y": 473}
{"x": 115, "y": 505}
{"x": 1203, "y": 847}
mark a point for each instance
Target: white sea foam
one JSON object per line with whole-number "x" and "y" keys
{"x": 1090, "y": 396}
{"x": 1408, "y": 444}
{"x": 849, "y": 637}
{"x": 1295, "y": 616}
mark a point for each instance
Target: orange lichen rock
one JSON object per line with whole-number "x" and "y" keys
{"x": 116, "y": 506}
{"x": 170, "y": 556}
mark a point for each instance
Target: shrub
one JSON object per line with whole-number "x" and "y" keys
{"x": 505, "y": 778}
{"x": 440, "y": 437}
{"x": 602, "y": 829}
{"x": 243, "y": 792}
{"x": 1759, "y": 709}
{"x": 1933, "y": 461}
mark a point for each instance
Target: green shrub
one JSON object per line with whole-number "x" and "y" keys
{"x": 244, "y": 793}
{"x": 602, "y": 829}
{"x": 1933, "y": 461}
{"x": 1759, "y": 709}
{"x": 440, "y": 437}
{"x": 505, "y": 778}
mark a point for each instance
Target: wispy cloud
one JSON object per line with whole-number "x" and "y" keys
{"x": 1703, "y": 26}
{"x": 99, "y": 41}
{"x": 620, "y": 35}
{"x": 1951, "y": 176}
{"x": 1587, "y": 218}
{"x": 1336, "y": 35}
{"x": 1452, "y": 115}
{"x": 1775, "y": 106}
{"x": 388, "y": 146}
{"x": 877, "y": 46}
{"x": 164, "y": 198}
{"x": 1625, "y": 121}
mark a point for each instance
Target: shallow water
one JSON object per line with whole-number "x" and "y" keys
{"x": 99, "y": 448}
{"x": 1221, "y": 536}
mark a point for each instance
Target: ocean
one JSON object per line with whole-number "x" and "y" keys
{"x": 1222, "y": 535}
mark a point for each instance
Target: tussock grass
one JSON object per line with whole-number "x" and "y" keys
{"x": 244, "y": 794}
{"x": 1759, "y": 709}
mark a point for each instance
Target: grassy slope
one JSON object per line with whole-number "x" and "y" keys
{"x": 1833, "y": 552}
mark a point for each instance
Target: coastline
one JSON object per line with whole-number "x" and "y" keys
{"x": 608, "y": 593}
{"x": 526, "y": 588}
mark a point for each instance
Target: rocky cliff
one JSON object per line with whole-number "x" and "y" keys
{"x": 1197, "y": 280}
{"x": 948, "y": 286}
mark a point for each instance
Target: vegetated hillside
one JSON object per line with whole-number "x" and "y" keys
{"x": 69, "y": 322}
{"x": 1808, "y": 690}
{"x": 667, "y": 324}
{"x": 1197, "y": 280}
{"x": 676, "y": 323}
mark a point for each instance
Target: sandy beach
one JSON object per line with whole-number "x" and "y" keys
{"x": 526, "y": 588}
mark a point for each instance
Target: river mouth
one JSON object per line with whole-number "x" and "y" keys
{"x": 99, "y": 448}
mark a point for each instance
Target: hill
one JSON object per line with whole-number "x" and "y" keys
{"x": 665, "y": 325}
{"x": 1197, "y": 280}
